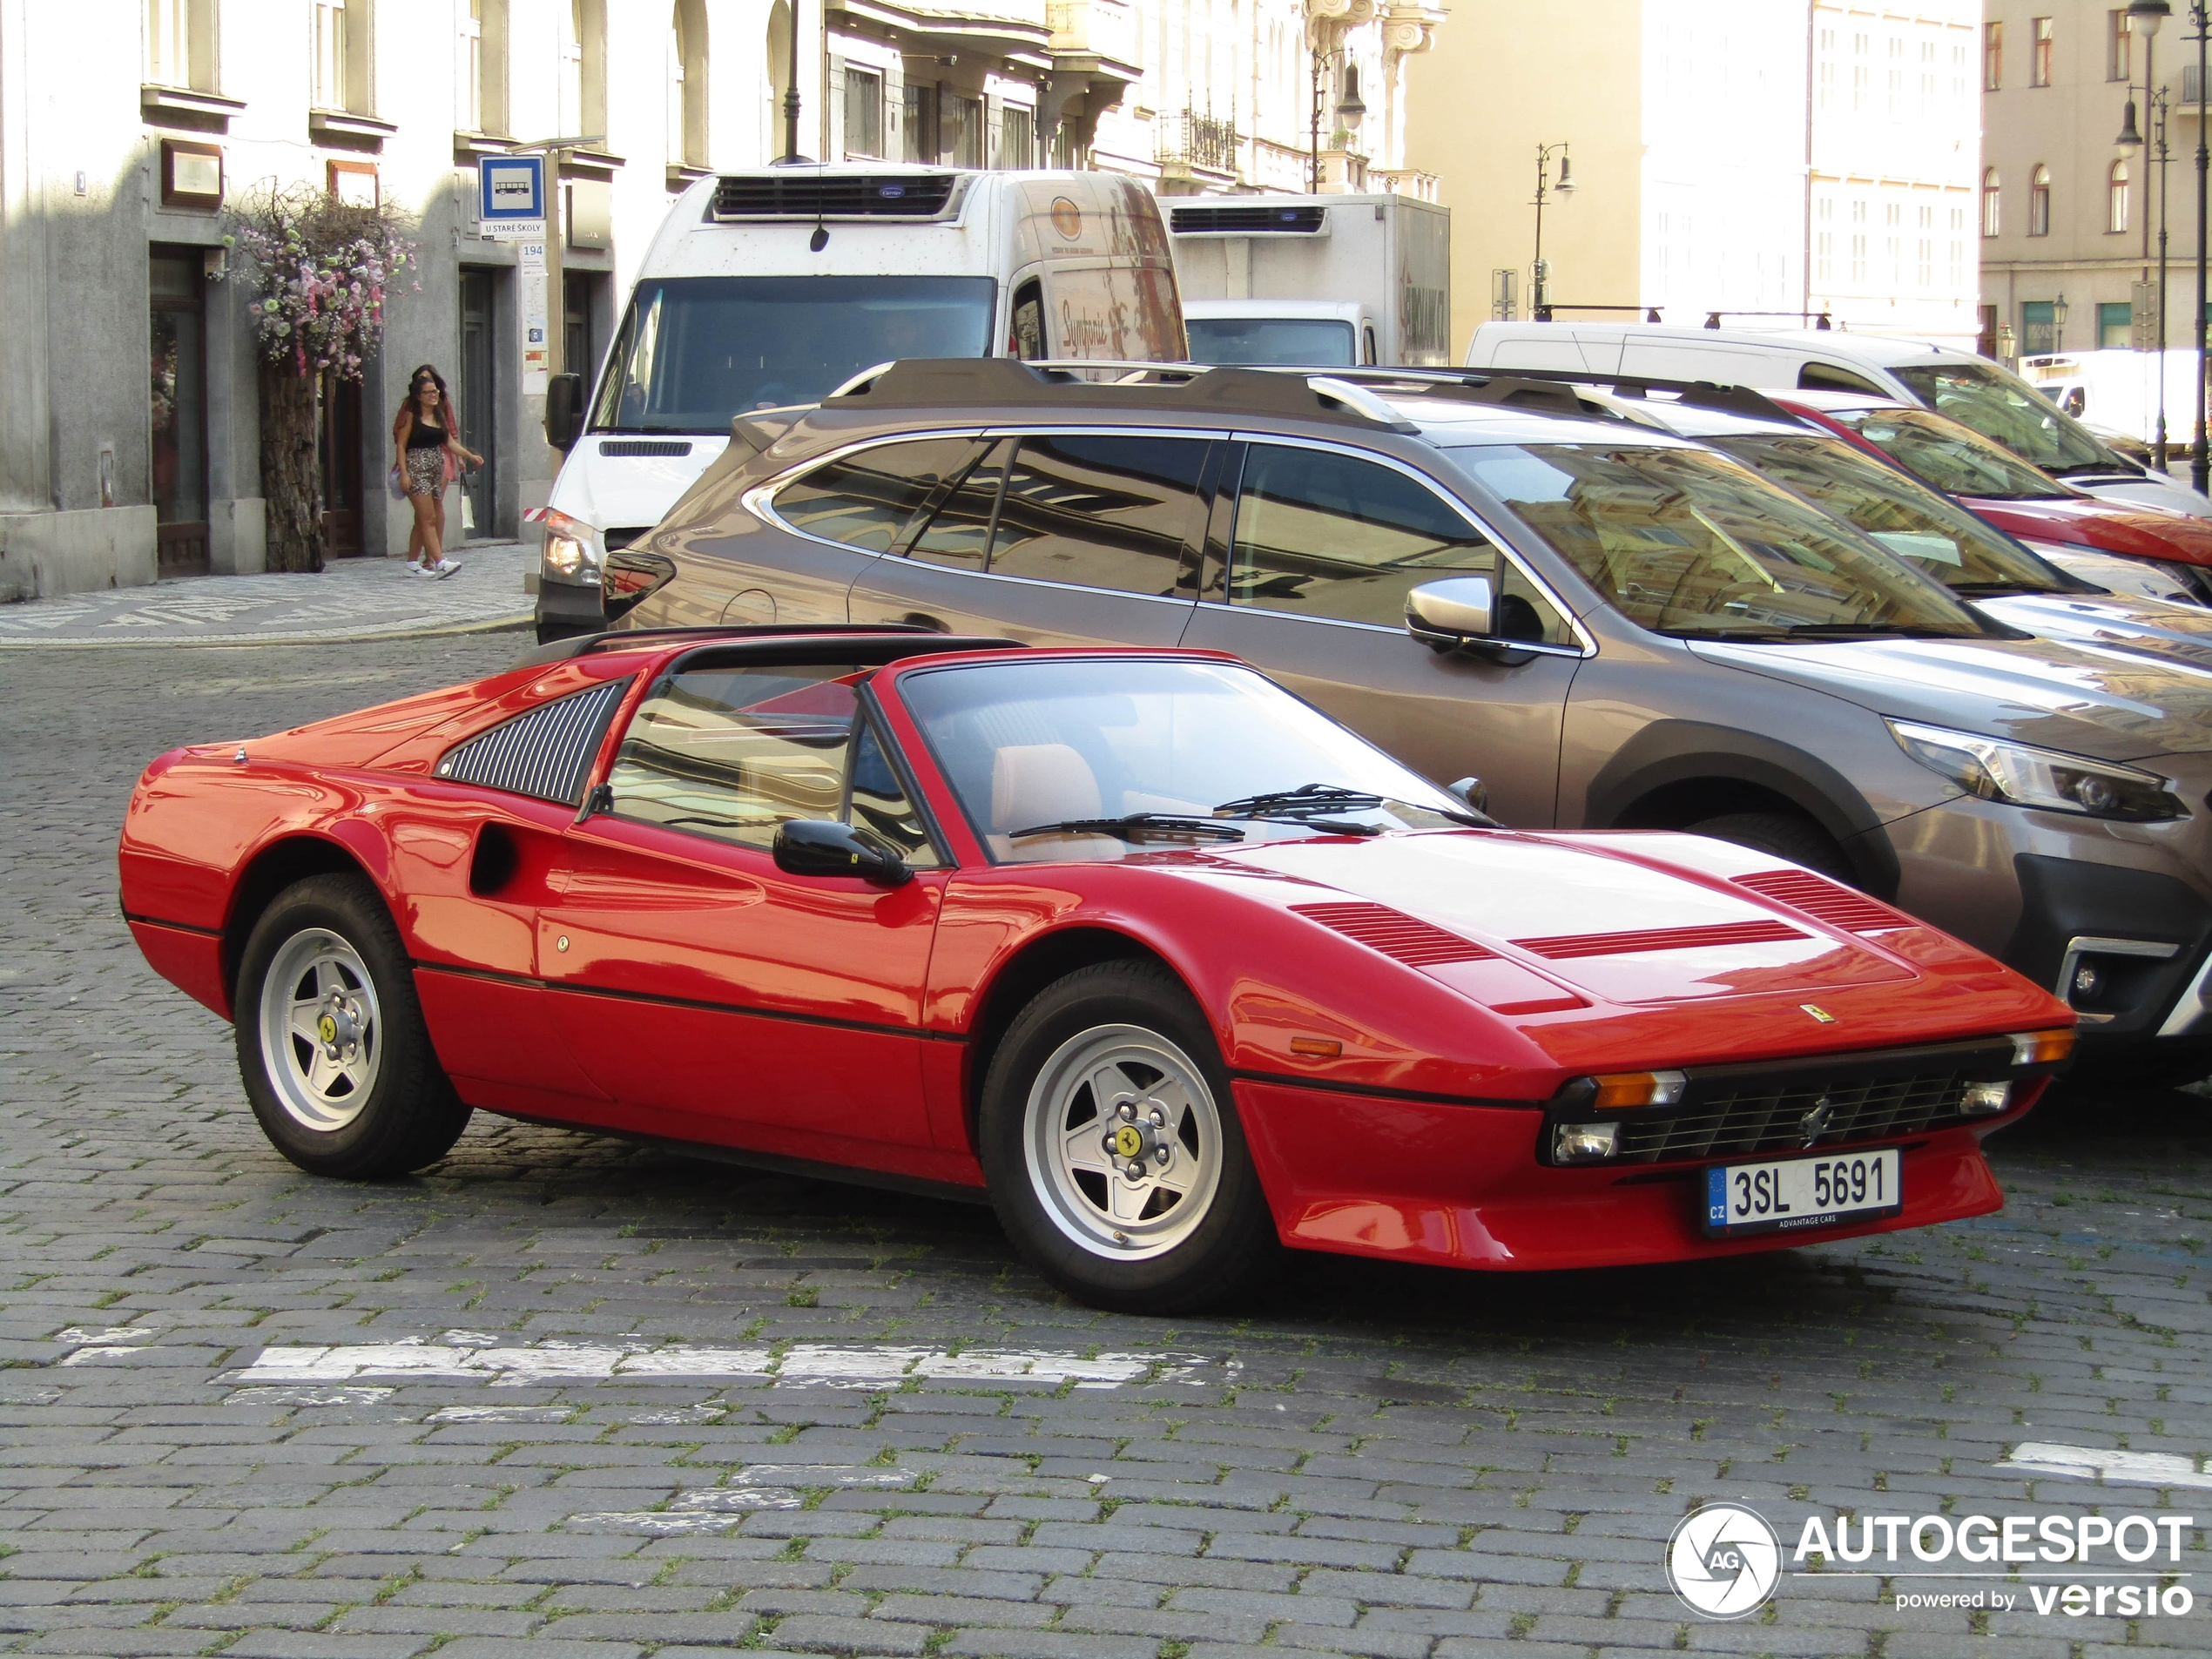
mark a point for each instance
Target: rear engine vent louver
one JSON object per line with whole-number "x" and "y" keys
{"x": 547, "y": 753}
{"x": 1406, "y": 939}
{"x": 1830, "y": 901}
{"x": 1246, "y": 221}
{"x": 1565, "y": 945}
{"x": 799, "y": 194}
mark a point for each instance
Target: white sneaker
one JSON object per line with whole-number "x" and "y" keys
{"x": 413, "y": 569}
{"x": 442, "y": 569}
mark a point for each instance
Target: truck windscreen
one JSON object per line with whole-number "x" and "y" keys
{"x": 1318, "y": 342}
{"x": 696, "y": 352}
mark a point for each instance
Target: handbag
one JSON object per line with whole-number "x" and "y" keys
{"x": 395, "y": 484}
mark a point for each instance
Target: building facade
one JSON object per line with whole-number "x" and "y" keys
{"x": 2068, "y": 215}
{"x": 1193, "y": 96}
{"x": 1766, "y": 159}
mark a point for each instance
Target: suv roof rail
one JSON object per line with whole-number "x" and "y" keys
{"x": 954, "y": 382}
{"x": 562, "y": 651}
{"x": 1706, "y": 394}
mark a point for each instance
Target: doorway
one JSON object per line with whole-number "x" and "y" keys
{"x": 177, "y": 410}
{"x": 339, "y": 449}
{"x": 477, "y": 392}
{"x": 579, "y": 340}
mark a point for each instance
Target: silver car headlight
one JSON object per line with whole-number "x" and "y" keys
{"x": 2022, "y": 776}
{"x": 574, "y": 550}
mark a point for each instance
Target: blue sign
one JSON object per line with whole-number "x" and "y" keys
{"x": 510, "y": 190}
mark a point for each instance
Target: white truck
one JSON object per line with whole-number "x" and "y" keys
{"x": 1319, "y": 280}
{"x": 772, "y": 288}
{"x": 2117, "y": 390}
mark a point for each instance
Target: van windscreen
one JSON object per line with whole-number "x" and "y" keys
{"x": 1297, "y": 340}
{"x": 694, "y": 352}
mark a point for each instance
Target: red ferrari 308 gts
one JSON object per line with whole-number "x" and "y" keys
{"x": 1159, "y": 960}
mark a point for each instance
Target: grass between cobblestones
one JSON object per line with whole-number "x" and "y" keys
{"x": 1370, "y": 1461}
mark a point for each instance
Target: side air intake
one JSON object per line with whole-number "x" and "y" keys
{"x": 1303, "y": 220}
{"x": 803, "y": 193}
{"x": 546, "y": 754}
{"x": 1406, "y": 939}
{"x": 1830, "y": 902}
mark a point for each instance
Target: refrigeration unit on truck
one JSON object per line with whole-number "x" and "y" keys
{"x": 773, "y": 287}
{"x": 1315, "y": 279}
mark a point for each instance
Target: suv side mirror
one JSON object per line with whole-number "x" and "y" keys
{"x": 1454, "y": 612}
{"x": 563, "y": 410}
{"x": 819, "y": 846}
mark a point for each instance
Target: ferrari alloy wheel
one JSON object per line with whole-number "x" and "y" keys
{"x": 331, "y": 1042}
{"x": 320, "y": 1029}
{"x": 1122, "y": 1142}
{"x": 1112, "y": 1148}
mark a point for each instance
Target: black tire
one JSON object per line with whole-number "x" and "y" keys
{"x": 1798, "y": 840}
{"x": 1058, "y": 1223}
{"x": 395, "y": 1110}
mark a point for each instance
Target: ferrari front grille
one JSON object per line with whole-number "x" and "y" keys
{"x": 1794, "y": 1114}
{"x": 546, "y": 754}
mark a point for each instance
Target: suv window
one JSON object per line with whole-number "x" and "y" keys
{"x": 960, "y": 531}
{"x": 1101, "y": 509}
{"x": 733, "y": 753}
{"x": 1320, "y": 534}
{"x": 865, "y": 499}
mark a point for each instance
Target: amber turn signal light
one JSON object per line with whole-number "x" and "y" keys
{"x": 1317, "y": 1047}
{"x": 2041, "y": 1048}
{"x": 1617, "y": 1090}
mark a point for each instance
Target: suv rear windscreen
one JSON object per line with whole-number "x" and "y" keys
{"x": 696, "y": 352}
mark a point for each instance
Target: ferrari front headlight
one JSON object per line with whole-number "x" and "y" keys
{"x": 2022, "y": 776}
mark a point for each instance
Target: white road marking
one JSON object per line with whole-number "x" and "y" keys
{"x": 712, "y": 1510}
{"x": 2114, "y": 1468}
{"x": 470, "y": 1355}
{"x": 306, "y": 1396}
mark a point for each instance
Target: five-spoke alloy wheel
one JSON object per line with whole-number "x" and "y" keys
{"x": 1112, "y": 1148}
{"x": 331, "y": 1042}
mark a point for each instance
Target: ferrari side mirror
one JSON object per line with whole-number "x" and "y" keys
{"x": 819, "y": 846}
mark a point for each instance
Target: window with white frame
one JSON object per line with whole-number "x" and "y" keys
{"x": 686, "y": 75}
{"x": 1858, "y": 243}
{"x": 2039, "y": 202}
{"x": 568, "y": 119}
{"x": 180, "y": 39}
{"x": 2116, "y": 198}
{"x": 1823, "y": 240}
{"x": 328, "y": 79}
{"x": 1991, "y": 218}
{"x": 469, "y": 69}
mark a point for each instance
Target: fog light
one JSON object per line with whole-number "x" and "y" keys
{"x": 2088, "y": 981}
{"x": 1983, "y": 1100}
{"x": 1584, "y": 1143}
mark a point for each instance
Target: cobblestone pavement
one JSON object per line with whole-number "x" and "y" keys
{"x": 348, "y": 599}
{"x": 560, "y": 1397}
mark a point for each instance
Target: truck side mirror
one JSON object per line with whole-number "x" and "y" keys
{"x": 563, "y": 410}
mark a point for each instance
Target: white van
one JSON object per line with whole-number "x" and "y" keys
{"x": 1969, "y": 389}
{"x": 772, "y": 288}
{"x": 1327, "y": 333}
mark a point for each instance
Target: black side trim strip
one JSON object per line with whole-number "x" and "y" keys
{"x": 177, "y": 927}
{"x": 528, "y": 983}
{"x": 773, "y": 1163}
{"x": 1373, "y": 1093}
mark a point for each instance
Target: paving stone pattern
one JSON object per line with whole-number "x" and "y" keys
{"x": 1371, "y": 1460}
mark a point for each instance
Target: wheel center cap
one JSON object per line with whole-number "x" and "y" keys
{"x": 338, "y": 1029}
{"x": 1129, "y": 1141}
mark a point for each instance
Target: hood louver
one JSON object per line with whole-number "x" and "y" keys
{"x": 802, "y": 194}
{"x": 1247, "y": 222}
{"x": 1827, "y": 901}
{"x": 1401, "y": 937}
{"x": 1565, "y": 947}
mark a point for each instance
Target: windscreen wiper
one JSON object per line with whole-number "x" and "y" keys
{"x": 2000, "y": 590}
{"x": 1861, "y": 630}
{"x": 1135, "y": 827}
{"x": 1302, "y": 802}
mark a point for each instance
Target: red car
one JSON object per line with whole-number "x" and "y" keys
{"x": 1135, "y": 945}
{"x": 2078, "y": 532}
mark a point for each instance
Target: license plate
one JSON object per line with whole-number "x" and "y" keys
{"x": 1786, "y": 1194}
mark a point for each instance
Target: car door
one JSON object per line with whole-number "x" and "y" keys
{"x": 1056, "y": 538}
{"x": 712, "y": 995}
{"x": 1316, "y": 549}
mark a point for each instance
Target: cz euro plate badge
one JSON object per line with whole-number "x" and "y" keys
{"x": 1784, "y": 1195}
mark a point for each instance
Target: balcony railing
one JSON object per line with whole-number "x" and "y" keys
{"x": 1197, "y": 140}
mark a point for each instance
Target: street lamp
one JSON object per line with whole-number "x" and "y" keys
{"x": 2144, "y": 18}
{"x": 2200, "y": 463}
{"x": 1539, "y": 284}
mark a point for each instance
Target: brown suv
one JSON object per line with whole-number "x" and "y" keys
{"x": 1610, "y": 626}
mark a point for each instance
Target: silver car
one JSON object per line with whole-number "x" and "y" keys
{"x": 1609, "y": 626}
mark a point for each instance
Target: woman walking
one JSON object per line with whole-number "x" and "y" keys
{"x": 426, "y": 435}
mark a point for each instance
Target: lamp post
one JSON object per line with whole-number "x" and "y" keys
{"x": 1350, "y": 111}
{"x": 2144, "y": 18}
{"x": 2200, "y": 463}
{"x": 2058, "y": 323}
{"x": 1539, "y": 276}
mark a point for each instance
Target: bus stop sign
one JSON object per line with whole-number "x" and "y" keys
{"x": 510, "y": 197}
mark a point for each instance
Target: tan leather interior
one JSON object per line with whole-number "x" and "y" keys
{"x": 1041, "y": 783}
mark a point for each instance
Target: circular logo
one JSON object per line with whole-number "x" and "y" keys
{"x": 1067, "y": 217}
{"x": 1724, "y": 1561}
{"x": 1127, "y": 1142}
{"x": 327, "y": 1028}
